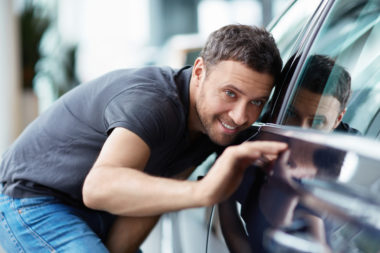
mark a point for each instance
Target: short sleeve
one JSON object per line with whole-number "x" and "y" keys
{"x": 149, "y": 113}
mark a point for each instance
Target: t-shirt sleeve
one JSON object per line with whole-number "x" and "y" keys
{"x": 148, "y": 113}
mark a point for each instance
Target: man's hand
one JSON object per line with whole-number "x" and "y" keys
{"x": 227, "y": 172}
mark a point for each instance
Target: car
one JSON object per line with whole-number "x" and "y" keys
{"x": 323, "y": 195}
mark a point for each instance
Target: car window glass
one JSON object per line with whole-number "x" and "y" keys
{"x": 339, "y": 85}
{"x": 287, "y": 30}
{"x": 291, "y": 25}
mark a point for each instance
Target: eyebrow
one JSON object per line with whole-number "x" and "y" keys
{"x": 241, "y": 92}
{"x": 319, "y": 116}
{"x": 293, "y": 109}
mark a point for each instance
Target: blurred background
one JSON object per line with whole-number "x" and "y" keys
{"x": 48, "y": 47}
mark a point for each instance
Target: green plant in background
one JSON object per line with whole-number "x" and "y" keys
{"x": 33, "y": 26}
{"x": 45, "y": 56}
{"x": 68, "y": 67}
{"x": 57, "y": 66}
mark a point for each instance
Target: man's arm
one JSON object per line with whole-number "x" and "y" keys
{"x": 117, "y": 184}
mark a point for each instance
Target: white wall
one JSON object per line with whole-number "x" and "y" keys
{"x": 10, "y": 88}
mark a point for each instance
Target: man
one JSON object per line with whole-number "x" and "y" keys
{"x": 102, "y": 163}
{"x": 321, "y": 98}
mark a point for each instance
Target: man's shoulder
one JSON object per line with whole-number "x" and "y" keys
{"x": 346, "y": 128}
{"x": 152, "y": 73}
{"x": 138, "y": 74}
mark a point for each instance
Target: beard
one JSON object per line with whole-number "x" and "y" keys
{"x": 209, "y": 124}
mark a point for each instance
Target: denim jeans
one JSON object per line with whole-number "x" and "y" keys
{"x": 45, "y": 224}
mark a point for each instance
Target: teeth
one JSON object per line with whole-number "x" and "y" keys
{"x": 228, "y": 126}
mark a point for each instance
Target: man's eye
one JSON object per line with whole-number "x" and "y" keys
{"x": 257, "y": 102}
{"x": 318, "y": 123}
{"x": 230, "y": 93}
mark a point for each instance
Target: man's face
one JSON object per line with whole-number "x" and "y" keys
{"x": 229, "y": 99}
{"x": 312, "y": 110}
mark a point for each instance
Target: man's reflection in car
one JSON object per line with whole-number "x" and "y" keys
{"x": 268, "y": 200}
{"x": 322, "y": 95}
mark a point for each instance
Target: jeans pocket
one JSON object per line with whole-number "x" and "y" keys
{"x": 8, "y": 240}
{"x": 31, "y": 216}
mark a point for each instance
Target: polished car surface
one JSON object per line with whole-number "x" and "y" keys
{"x": 323, "y": 195}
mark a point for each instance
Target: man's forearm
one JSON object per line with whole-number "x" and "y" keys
{"x": 129, "y": 192}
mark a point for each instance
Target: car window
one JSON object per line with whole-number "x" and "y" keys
{"x": 288, "y": 30}
{"x": 338, "y": 88}
{"x": 291, "y": 25}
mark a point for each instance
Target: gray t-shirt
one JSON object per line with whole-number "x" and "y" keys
{"x": 56, "y": 151}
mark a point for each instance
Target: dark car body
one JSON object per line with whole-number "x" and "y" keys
{"x": 323, "y": 195}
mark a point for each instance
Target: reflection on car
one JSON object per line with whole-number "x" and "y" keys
{"x": 322, "y": 96}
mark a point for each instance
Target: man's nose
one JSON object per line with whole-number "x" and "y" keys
{"x": 305, "y": 124}
{"x": 239, "y": 114}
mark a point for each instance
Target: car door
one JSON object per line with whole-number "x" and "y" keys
{"x": 323, "y": 194}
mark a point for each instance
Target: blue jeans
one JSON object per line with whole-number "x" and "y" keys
{"x": 45, "y": 224}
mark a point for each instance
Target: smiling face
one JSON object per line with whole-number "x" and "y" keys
{"x": 226, "y": 101}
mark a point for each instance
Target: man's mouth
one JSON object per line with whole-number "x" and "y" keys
{"x": 229, "y": 127}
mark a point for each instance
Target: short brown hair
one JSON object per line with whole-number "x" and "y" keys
{"x": 323, "y": 75}
{"x": 250, "y": 45}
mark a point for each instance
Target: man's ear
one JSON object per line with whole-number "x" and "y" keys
{"x": 340, "y": 117}
{"x": 199, "y": 70}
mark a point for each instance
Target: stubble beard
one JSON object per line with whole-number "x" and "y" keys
{"x": 207, "y": 128}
